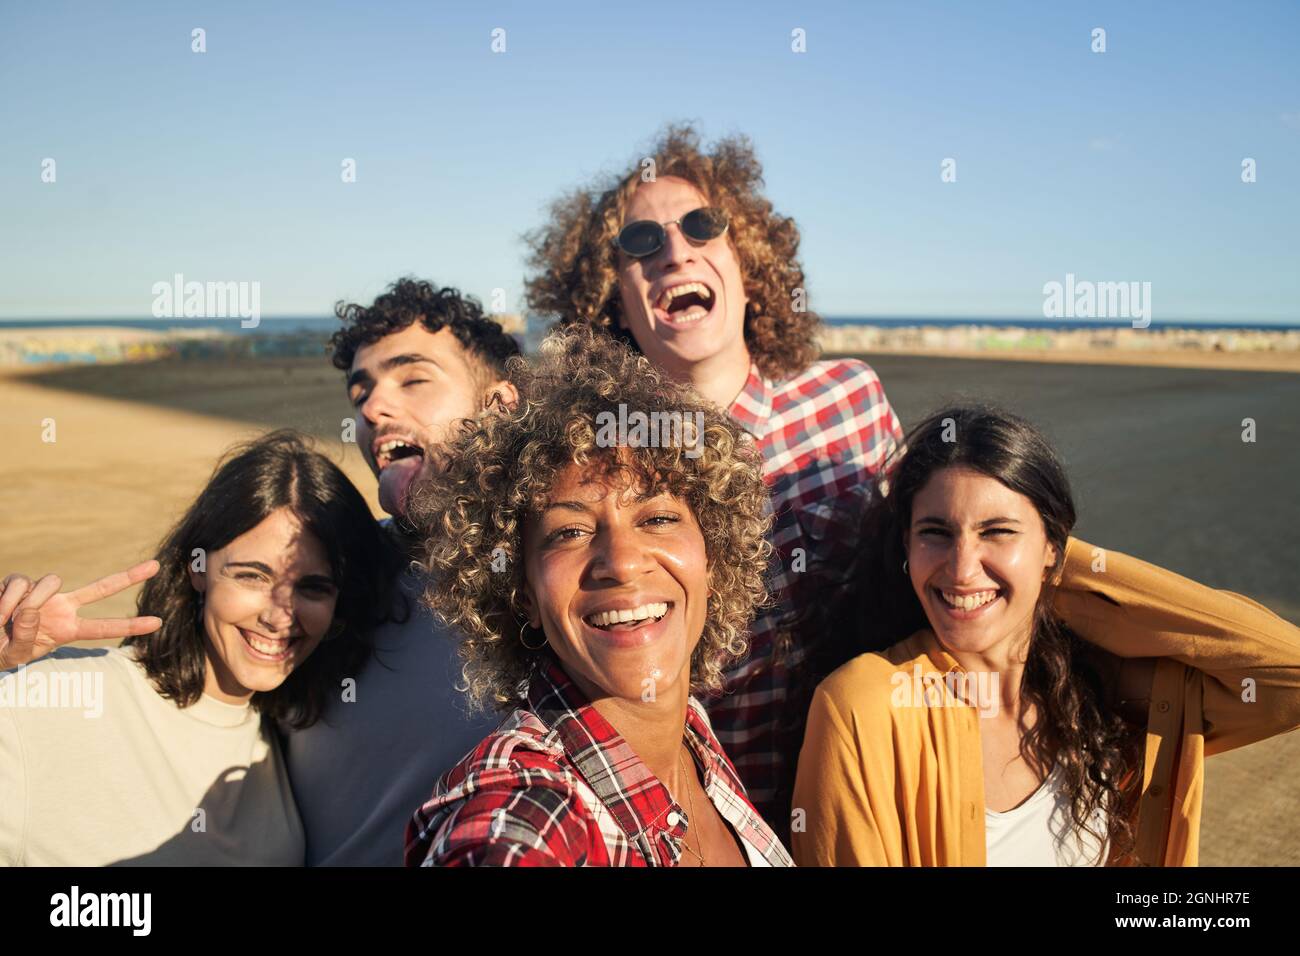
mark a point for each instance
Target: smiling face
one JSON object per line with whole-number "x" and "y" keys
{"x": 620, "y": 586}
{"x": 410, "y": 389}
{"x": 704, "y": 322}
{"x": 977, "y": 555}
{"x": 269, "y": 598}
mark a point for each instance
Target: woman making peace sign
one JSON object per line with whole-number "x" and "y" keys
{"x": 36, "y": 619}
{"x": 265, "y": 593}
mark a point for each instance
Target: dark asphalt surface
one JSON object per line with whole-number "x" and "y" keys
{"x": 1155, "y": 456}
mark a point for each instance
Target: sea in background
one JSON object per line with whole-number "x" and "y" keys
{"x": 267, "y": 325}
{"x": 1275, "y": 346}
{"x": 279, "y": 325}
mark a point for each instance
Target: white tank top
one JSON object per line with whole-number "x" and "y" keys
{"x": 1038, "y": 832}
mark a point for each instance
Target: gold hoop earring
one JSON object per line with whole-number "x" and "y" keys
{"x": 526, "y": 645}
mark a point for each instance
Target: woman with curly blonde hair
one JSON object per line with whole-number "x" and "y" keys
{"x": 681, "y": 256}
{"x": 601, "y": 548}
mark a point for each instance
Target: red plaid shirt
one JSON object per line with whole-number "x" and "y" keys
{"x": 556, "y": 785}
{"x": 823, "y": 434}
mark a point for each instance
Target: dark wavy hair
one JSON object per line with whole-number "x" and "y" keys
{"x": 575, "y": 261}
{"x": 278, "y": 470}
{"x": 1078, "y": 724}
{"x": 408, "y": 301}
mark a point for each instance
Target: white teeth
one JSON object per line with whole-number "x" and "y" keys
{"x": 384, "y": 450}
{"x": 968, "y": 602}
{"x": 699, "y": 288}
{"x": 606, "y": 618}
{"x": 273, "y": 648}
{"x": 694, "y": 315}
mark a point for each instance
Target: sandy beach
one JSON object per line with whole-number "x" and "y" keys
{"x": 133, "y": 444}
{"x": 1155, "y": 453}
{"x": 1207, "y": 361}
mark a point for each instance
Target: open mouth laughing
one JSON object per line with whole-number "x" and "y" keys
{"x": 393, "y": 448}
{"x": 685, "y": 303}
{"x": 630, "y": 625}
{"x": 398, "y": 458}
{"x": 628, "y": 619}
{"x": 270, "y": 650}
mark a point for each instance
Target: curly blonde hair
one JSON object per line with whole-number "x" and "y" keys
{"x": 505, "y": 465}
{"x": 576, "y": 261}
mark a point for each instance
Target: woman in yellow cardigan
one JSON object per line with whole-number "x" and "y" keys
{"x": 996, "y": 735}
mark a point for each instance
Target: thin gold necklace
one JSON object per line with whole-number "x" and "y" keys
{"x": 690, "y": 799}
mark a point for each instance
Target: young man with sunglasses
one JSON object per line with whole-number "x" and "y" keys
{"x": 686, "y": 261}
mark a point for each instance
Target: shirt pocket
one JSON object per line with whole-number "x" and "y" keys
{"x": 829, "y": 527}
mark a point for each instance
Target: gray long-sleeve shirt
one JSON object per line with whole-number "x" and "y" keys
{"x": 360, "y": 772}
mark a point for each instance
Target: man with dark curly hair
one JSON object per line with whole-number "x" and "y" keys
{"x": 418, "y": 360}
{"x": 684, "y": 259}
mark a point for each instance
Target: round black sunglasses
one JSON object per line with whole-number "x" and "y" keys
{"x": 645, "y": 237}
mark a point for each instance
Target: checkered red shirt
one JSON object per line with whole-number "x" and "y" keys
{"x": 556, "y": 785}
{"x": 823, "y": 434}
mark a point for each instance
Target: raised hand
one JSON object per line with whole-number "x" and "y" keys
{"x": 36, "y": 619}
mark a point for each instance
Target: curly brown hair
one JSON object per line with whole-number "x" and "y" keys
{"x": 503, "y": 466}
{"x": 576, "y": 261}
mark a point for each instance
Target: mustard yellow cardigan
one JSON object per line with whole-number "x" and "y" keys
{"x": 884, "y": 785}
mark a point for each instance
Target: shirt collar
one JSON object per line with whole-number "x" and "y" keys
{"x": 619, "y": 778}
{"x": 926, "y": 643}
{"x": 752, "y": 409}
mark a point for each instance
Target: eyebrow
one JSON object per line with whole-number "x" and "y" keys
{"x": 566, "y": 505}
{"x": 584, "y": 508}
{"x": 255, "y": 565}
{"x": 933, "y": 519}
{"x": 363, "y": 376}
{"x": 266, "y": 569}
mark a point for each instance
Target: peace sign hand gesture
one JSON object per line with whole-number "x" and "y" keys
{"x": 35, "y": 619}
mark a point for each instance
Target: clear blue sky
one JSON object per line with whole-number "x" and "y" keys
{"x": 1124, "y": 165}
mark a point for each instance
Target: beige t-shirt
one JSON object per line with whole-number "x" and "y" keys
{"x": 96, "y": 768}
